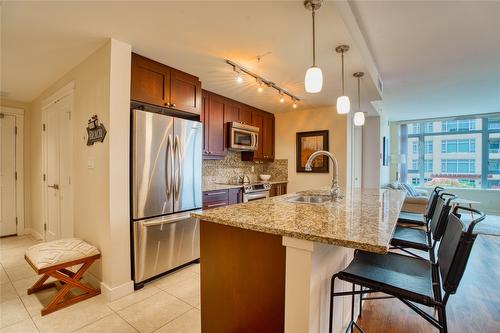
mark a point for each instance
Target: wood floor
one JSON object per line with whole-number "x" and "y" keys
{"x": 474, "y": 308}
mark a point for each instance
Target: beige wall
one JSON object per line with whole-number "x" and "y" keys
{"x": 372, "y": 163}
{"x": 27, "y": 151}
{"x": 102, "y": 87}
{"x": 289, "y": 123}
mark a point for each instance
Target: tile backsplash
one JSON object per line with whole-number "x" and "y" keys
{"x": 228, "y": 169}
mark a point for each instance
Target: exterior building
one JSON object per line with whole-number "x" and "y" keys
{"x": 450, "y": 153}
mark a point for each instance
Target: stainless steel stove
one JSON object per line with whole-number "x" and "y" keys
{"x": 255, "y": 191}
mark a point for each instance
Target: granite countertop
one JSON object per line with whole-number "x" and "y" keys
{"x": 221, "y": 187}
{"x": 364, "y": 219}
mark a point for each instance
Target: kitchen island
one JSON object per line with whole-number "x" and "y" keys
{"x": 266, "y": 265}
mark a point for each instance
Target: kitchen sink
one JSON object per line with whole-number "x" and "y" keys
{"x": 314, "y": 199}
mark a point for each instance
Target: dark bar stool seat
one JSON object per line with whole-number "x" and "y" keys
{"x": 416, "y": 219}
{"x": 425, "y": 240}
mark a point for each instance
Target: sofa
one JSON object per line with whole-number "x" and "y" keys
{"x": 415, "y": 201}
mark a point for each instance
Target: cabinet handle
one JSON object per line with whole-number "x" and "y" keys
{"x": 173, "y": 105}
{"x": 215, "y": 193}
{"x": 217, "y": 205}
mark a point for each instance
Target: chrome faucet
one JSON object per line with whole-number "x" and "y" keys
{"x": 335, "y": 189}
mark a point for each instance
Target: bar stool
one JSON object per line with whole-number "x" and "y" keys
{"x": 413, "y": 280}
{"x": 415, "y": 219}
{"x": 425, "y": 240}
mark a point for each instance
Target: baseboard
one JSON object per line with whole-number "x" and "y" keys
{"x": 35, "y": 234}
{"x": 112, "y": 294}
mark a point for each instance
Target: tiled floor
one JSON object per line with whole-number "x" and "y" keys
{"x": 170, "y": 304}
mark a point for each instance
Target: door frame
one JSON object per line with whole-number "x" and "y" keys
{"x": 19, "y": 114}
{"x": 66, "y": 91}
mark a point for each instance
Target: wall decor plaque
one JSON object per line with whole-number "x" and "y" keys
{"x": 96, "y": 132}
{"x": 308, "y": 143}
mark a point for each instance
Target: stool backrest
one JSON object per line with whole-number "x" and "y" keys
{"x": 455, "y": 248}
{"x": 431, "y": 204}
{"x": 440, "y": 217}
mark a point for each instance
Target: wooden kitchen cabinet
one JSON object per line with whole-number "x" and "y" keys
{"x": 185, "y": 92}
{"x": 268, "y": 137}
{"x": 214, "y": 126}
{"x": 221, "y": 198}
{"x": 157, "y": 84}
{"x": 245, "y": 116}
{"x": 277, "y": 189}
{"x": 265, "y": 150}
{"x": 218, "y": 112}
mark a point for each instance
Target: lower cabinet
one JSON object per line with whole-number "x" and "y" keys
{"x": 277, "y": 189}
{"x": 220, "y": 198}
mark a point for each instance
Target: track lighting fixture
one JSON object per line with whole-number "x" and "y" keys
{"x": 239, "y": 77}
{"x": 343, "y": 102}
{"x": 240, "y": 71}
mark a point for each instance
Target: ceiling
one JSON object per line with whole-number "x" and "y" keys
{"x": 44, "y": 40}
{"x": 437, "y": 58}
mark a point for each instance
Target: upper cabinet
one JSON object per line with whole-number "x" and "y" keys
{"x": 158, "y": 84}
{"x": 219, "y": 111}
{"x": 265, "y": 149}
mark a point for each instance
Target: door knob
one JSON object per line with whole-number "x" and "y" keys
{"x": 55, "y": 186}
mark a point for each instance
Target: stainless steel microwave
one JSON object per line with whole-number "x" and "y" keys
{"x": 243, "y": 137}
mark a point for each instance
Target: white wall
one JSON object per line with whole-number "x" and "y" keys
{"x": 385, "y": 130}
{"x": 101, "y": 213}
{"x": 289, "y": 123}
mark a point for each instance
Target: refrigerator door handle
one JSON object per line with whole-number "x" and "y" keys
{"x": 177, "y": 167}
{"x": 170, "y": 166}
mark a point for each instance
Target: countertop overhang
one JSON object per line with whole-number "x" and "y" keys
{"x": 364, "y": 219}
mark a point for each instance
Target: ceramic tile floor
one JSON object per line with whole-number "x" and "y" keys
{"x": 170, "y": 304}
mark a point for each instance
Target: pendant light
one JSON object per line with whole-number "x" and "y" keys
{"x": 359, "y": 116}
{"x": 314, "y": 77}
{"x": 343, "y": 102}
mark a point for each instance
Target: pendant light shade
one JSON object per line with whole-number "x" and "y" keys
{"x": 343, "y": 102}
{"x": 313, "y": 80}
{"x": 359, "y": 118}
{"x": 343, "y": 105}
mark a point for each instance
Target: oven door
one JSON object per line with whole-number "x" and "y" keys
{"x": 242, "y": 139}
{"x": 247, "y": 197}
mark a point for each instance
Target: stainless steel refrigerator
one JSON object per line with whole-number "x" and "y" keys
{"x": 166, "y": 188}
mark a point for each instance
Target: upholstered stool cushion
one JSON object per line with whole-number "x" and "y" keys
{"x": 59, "y": 251}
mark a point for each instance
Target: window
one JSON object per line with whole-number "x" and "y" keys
{"x": 414, "y": 164}
{"x": 494, "y": 165}
{"x": 428, "y": 147}
{"x": 415, "y": 147}
{"x": 415, "y": 129}
{"x": 453, "y": 152}
{"x": 458, "y": 166}
{"x": 494, "y": 145}
{"x": 458, "y": 146}
{"x": 428, "y": 165}
{"x": 494, "y": 124}
{"x": 458, "y": 125}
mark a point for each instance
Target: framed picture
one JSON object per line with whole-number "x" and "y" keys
{"x": 385, "y": 152}
{"x": 308, "y": 143}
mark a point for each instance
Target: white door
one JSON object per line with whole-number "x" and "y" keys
{"x": 8, "y": 225}
{"x": 57, "y": 148}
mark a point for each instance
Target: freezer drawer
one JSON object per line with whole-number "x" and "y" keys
{"x": 162, "y": 244}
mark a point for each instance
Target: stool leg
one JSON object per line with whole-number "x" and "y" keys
{"x": 39, "y": 285}
{"x": 360, "y": 301}
{"x": 332, "y": 290}
{"x": 352, "y": 306}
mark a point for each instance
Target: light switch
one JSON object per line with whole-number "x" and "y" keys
{"x": 90, "y": 164}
